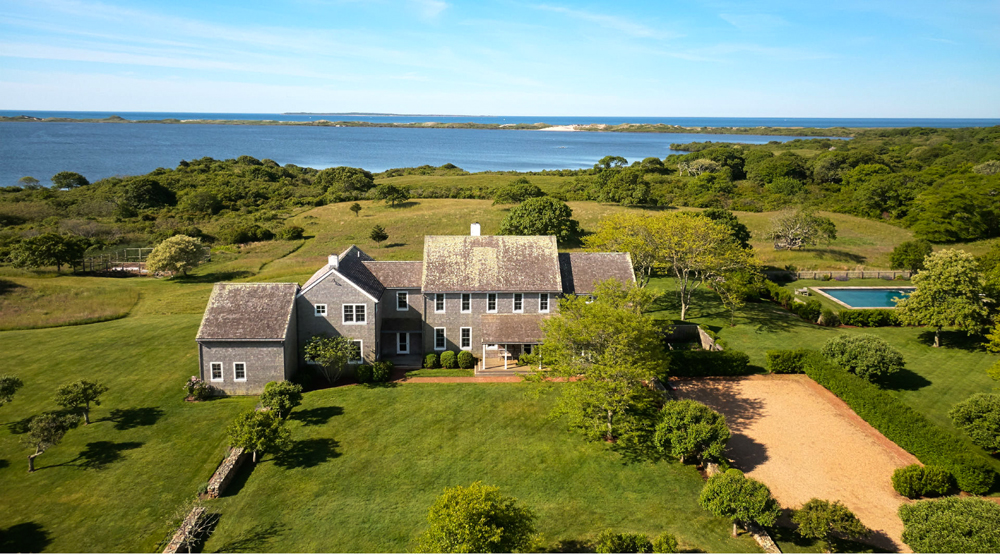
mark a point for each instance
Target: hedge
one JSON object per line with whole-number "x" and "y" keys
{"x": 903, "y": 425}
{"x": 706, "y": 363}
{"x": 785, "y": 361}
{"x": 869, "y": 318}
{"x": 809, "y": 310}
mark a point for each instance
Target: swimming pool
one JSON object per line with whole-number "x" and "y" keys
{"x": 865, "y": 297}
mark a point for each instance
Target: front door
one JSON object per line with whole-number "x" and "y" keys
{"x": 402, "y": 343}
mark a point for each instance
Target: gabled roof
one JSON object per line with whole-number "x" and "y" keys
{"x": 397, "y": 275}
{"x": 581, "y": 271}
{"x": 248, "y": 311}
{"x": 350, "y": 266}
{"x": 512, "y": 328}
{"x": 490, "y": 264}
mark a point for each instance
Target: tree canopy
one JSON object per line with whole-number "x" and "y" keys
{"x": 948, "y": 294}
{"x": 477, "y": 518}
{"x": 45, "y": 431}
{"x": 979, "y": 417}
{"x": 952, "y": 524}
{"x": 541, "y": 216}
{"x": 910, "y": 255}
{"x": 821, "y": 519}
{"x": 9, "y": 385}
{"x": 331, "y": 354}
{"x": 259, "y": 432}
{"x": 743, "y": 500}
{"x": 690, "y": 429}
{"x": 48, "y": 249}
{"x": 281, "y": 397}
{"x": 80, "y": 395}
{"x": 178, "y": 254}
{"x": 793, "y": 230}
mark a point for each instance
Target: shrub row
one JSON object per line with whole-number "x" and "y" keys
{"x": 449, "y": 360}
{"x": 903, "y": 425}
{"x": 786, "y": 361}
{"x": 914, "y": 481}
{"x": 809, "y": 310}
{"x": 706, "y": 363}
{"x": 869, "y": 318}
{"x": 379, "y": 372}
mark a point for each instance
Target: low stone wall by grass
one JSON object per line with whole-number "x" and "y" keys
{"x": 224, "y": 474}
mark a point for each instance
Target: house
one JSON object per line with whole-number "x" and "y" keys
{"x": 484, "y": 294}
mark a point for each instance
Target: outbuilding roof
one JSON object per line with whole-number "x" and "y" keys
{"x": 248, "y": 311}
{"x": 581, "y": 271}
{"x": 490, "y": 264}
{"x": 397, "y": 275}
{"x": 512, "y": 328}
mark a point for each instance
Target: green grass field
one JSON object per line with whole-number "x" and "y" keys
{"x": 368, "y": 463}
{"x": 32, "y": 303}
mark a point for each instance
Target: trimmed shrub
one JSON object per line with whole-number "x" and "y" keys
{"x": 364, "y": 373}
{"x": 979, "y": 417}
{"x": 704, "y": 363}
{"x": 665, "y": 543}
{"x": 466, "y": 360}
{"x": 909, "y": 481}
{"x": 785, "y": 361}
{"x": 809, "y": 310}
{"x": 610, "y": 542}
{"x": 937, "y": 481}
{"x": 449, "y": 360}
{"x": 951, "y": 524}
{"x": 869, "y": 318}
{"x": 903, "y": 425}
{"x": 867, "y": 356}
{"x": 381, "y": 372}
{"x": 431, "y": 361}
{"x": 778, "y": 293}
{"x": 829, "y": 318}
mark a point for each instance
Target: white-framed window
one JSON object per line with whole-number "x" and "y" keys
{"x": 466, "y": 303}
{"x": 402, "y": 301}
{"x": 354, "y": 314}
{"x": 518, "y": 303}
{"x": 240, "y": 371}
{"x": 439, "y": 339}
{"x": 491, "y": 303}
{"x": 215, "y": 371}
{"x": 439, "y": 303}
{"x": 543, "y": 303}
{"x": 320, "y": 310}
{"x": 402, "y": 343}
{"x": 466, "y": 338}
{"x": 361, "y": 352}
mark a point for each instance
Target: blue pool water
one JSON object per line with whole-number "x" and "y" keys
{"x": 869, "y": 298}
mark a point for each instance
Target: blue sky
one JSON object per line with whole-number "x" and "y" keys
{"x": 694, "y": 58}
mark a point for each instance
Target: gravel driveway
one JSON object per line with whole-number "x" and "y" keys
{"x": 804, "y": 442}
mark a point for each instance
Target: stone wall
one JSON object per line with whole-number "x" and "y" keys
{"x": 690, "y": 333}
{"x": 185, "y": 530}
{"x": 224, "y": 474}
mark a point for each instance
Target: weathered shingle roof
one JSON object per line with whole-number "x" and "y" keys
{"x": 248, "y": 311}
{"x": 350, "y": 264}
{"x": 511, "y": 328}
{"x": 581, "y": 271}
{"x": 397, "y": 275}
{"x": 490, "y": 264}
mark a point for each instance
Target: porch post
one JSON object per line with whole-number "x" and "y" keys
{"x": 504, "y": 346}
{"x": 484, "y": 358}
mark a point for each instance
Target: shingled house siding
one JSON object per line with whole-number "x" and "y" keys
{"x": 389, "y": 317}
{"x": 453, "y": 320}
{"x": 335, "y": 291}
{"x": 291, "y": 346}
{"x": 265, "y": 361}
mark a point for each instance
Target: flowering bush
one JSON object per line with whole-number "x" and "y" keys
{"x": 197, "y": 388}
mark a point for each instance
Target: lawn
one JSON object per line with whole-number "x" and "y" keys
{"x": 112, "y": 485}
{"x": 32, "y": 303}
{"x": 367, "y": 463}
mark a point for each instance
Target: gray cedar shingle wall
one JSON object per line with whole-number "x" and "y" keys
{"x": 453, "y": 320}
{"x": 335, "y": 291}
{"x": 394, "y": 321}
{"x": 265, "y": 361}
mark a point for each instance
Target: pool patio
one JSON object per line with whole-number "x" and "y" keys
{"x": 878, "y": 298}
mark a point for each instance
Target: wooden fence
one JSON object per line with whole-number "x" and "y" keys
{"x": 864, "y": 274}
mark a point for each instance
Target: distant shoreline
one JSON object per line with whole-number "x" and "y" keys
{"x": 591, "y": 127}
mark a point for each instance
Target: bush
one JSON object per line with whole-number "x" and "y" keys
{"x": 665, "y": 543}
{"x": 785, "y": 361}
{"x": 610, "y": 542}
{"x": 363, "y": 373}
{"x": 431, "y": 361}
{"x": 291, "y": 232}
{"x": 466, "y": 360}
{"x": 979, "y": 417}
{"x": 903, "y": 425}
{"x": 242, "y": 234}
{"x": 198, "y": 389}
{"x": 951, "y": 525}
{"x": 809, "y": 310}
{"x": 281, "y": 396}
{"x": 449, "y": 360}
{"x": 704, "y": 363}
{"x": 867, "y": 356}
{"x": 829, "y": 318}
{"x": 869, "y": 318}
{"x": 909, "y": 481}
{"x": 381, "y": 372}
{"x": 778, "y": 293}
{"x": 937, "y": 481}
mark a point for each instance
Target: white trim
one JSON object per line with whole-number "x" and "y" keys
{"x": 316, "y": 310}
{"x": 406, "y": 301}
{"x": 514, "y": 303}
{"x": 461, "y": 338}
{"x": 354, "y": 314}
{"x": 211, "y": 371}
{"x": 398, "y": 349}
{"x": 548, "y": 303}
{"x": 496, "y": 302}
{"x": 462, "y": 303}
{"x": 444, "y": 303}
{"x": 341, "y": 275}
{"x": 361, "y": 352}
{"x": 444, "y": 336}
{"x": 244, "y": 364}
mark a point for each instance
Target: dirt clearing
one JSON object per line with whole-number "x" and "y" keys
{"x": 804, "y": 442}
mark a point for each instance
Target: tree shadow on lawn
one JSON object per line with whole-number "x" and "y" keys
{"x": 100, "y": 454}
{"x": 212, "y": 277}
{"x": 9, "y": 286}
{"x": 316, "y": 416}
{"x": 4, "y": 464}
{"x": 836, "y": 255}
{"x": 24, "y": 537}
{"x": 307, "y": 453}
{"x": 256, "y": 539}
{"x": 905, "y": 379}
{"x": 953, "y": 339}
{"x": 240, "y": 479}
{"x": 129, "y": 418}
{"x": 394, "y": 245}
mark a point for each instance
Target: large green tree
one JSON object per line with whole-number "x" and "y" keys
{"x": 690, "y": 429}
{"x": 948, "y": 294}
{"x": 260, "y": 432}
{"x": 792, "y": 230}
{"x": 79, "y": 396}
{"x": 69, "y": 180}
{"x": 281, "y": 397}
{"x": 541, "y": 216}
{"x": 48, "y": 249}
{"x": 910, "y": 255}
{"x": 391, "y": 194}
{"x": 821, "y": 519}
{"x": 477, "y": 518}
{"x": 9, "y": 385}
{"x": 177, "y": 254}
{"x": 951, "y": 524}
{"x": 516, "y": 192}
{"x": 743, "y": 500}
{"x": 631, "y": 232}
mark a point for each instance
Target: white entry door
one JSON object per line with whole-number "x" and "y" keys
{"x": 402, "y": 343}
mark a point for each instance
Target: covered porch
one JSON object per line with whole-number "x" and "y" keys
{"x": 505, "y": 339}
